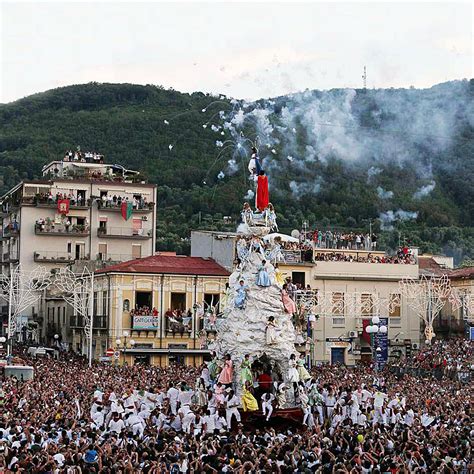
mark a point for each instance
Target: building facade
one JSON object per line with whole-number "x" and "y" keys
{"x": 153, "y": 310}
{"x": 82, "y": 210}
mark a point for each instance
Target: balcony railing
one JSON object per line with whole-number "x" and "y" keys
{"x": 61, "y": 229}
{"x": 117, "y": 206}
{"x": 52, "y": 203}
{"x": 114, "y": 257}
{"x": 124, "y": 233}
{"x": 8, "y": 258}
{"x": 179, "y": 325}
{"x": 54, "y": 257}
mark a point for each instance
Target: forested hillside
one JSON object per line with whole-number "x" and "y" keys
{"x": 402, "y": 158}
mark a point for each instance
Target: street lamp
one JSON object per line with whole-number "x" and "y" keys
{"x": 374, "y": 329}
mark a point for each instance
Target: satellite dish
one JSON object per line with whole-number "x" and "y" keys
{"x": 295, "y": 233}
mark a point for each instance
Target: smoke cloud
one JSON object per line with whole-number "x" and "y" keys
{"x": 424, "y": 191}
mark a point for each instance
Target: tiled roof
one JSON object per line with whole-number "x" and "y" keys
{"x": 429, "y": 267}
{"x": 169, "y": 264}
{"x": 467, "y": 273}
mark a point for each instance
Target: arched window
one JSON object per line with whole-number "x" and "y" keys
{"x": 126, "y": 305}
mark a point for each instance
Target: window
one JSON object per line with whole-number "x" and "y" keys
{"x": 178, "y": 301}
{"x": 64, "y": 315}
{"x": 126, "y": 305}
{"x": 394, "y": 310}
{"x": 136, "y": 251}
{"x": 298, "y": 277}
{"x": 104, "y": 302}
{"x": 94, "y": 311}
{"x": 69, "y": 247}
{"x": 211, "y": 300}
{"x": 338, "y": 304}
{"x": 102, "y": 251}
{"x": 143, "y": 298}
{"x": 366, "y": 305}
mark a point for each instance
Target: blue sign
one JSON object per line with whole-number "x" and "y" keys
{"x": 381, "y": 342}
{"x": 471, "y": 333}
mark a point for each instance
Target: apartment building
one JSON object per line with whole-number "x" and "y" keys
{"x": 81, "y": 210}
{"x": 153, "y": 310}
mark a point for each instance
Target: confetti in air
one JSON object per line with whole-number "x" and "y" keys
{"x": 214, "y": 128}
{"x": 274, "y": 151}
{"x": 289, "y": 158}
{"x": 170, "y": 147}
{"x": 203, "y": 110}
{"x": 166, "y": 122}
{"x": 204, "y": 125}
{"x": 221, "y": 175}
{"x": 222, "y": 133}
{"x": 219, "y": 144}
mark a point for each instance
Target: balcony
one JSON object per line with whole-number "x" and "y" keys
{"x": 293, "y": 257}
{"x": 61, "y": 230}
{"x": 117, "y": 207}
{"x": 110, "y": 258}
{"x": 52, "y": 204}
{"x": 8, "y": 258}
{"x": 53, "y": 257}
{"x": 11, "y": 230}
{"x": 124, "y": 233}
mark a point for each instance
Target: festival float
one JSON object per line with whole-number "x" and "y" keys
{"x": 257, "y": 331}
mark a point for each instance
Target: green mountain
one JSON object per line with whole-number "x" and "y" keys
{"x": 401, "y": 158}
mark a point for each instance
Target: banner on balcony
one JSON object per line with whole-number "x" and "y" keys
{"x": 63, "y": 206}
{"x": 145, "y": 323}
{"x": 126, "y": 209}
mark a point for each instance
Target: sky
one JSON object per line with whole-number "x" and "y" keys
{"x": 244, "y": 50}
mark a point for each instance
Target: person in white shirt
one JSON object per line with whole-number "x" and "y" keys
{"x": 210, "y": 421}
{"x": 116, "y": 424}
{"x": 379, "y": 400}
{"x": 267, "y": 404}
{"x": 187, "y": 420}
{"x": 136, "y": 423}
{"x": 173, "y": 395}
{"x": 98, "y": 419}
{"x": 231, "y": 403}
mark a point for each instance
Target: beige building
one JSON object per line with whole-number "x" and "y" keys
{"x": 151, "y": 310}
{"x": 354, "y": 292}
{"x": 81, "y": 210}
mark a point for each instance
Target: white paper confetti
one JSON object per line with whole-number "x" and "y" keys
{"x": 204, "y": 125}
{"x": 219, "y": 144}
{"x": 221, "y": 175}
{"x": 274, "y": 151}
{"x": 289, "y": 158}
{"x": 166, "y": 122}
{"x": 170, "y": 147}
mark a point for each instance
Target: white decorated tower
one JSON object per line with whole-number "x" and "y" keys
{"x": 243, "y": 329}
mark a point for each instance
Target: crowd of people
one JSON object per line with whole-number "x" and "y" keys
{"x": 143, "y": 419}
{"x": 402, "y": 257}
{"x": 83, "y": 157}
{"x": 327, "y": 239}
{"x": 138, "y": 201}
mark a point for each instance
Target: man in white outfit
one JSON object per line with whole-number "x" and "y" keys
{"x": 267, "y": 407}
{"x": 231, "y": 403}
{"x": 173, "y": 395}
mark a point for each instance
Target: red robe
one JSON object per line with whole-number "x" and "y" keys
{"x": 262, "y": 193}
